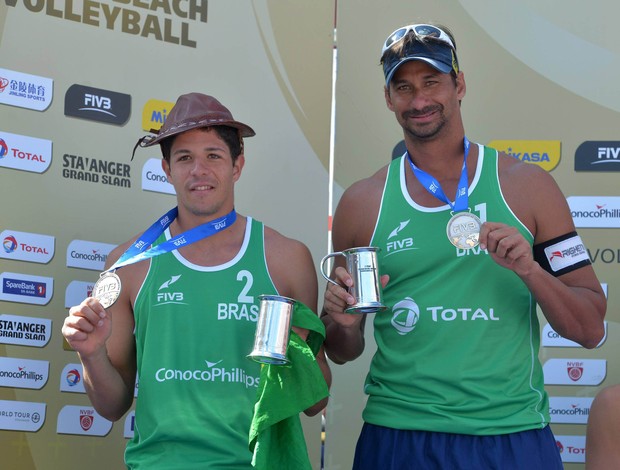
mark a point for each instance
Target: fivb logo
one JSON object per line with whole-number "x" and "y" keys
{"x": 598, "y": 156}
{"x": 96, "y": 104}
{"x": 395, "y": 244}
{"x": 166, "y": 297}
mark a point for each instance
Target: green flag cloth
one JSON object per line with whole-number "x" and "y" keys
{"x": 276, "y": 435}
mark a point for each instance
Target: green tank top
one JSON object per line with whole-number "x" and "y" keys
{"x": 457, "y": 348}
{"x": 194, "y": 327}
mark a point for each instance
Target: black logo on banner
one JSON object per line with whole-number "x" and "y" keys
{"x": 594, "y": 155}
{"x": 97, "y": 105}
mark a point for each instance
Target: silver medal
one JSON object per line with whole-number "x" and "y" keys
{"x": 463, "y": 230}
{"x": 107, "y": 289}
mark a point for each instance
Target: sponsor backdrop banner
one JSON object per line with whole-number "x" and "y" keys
{"x": 80, "y": 82}
{"x": 541, "y": 87}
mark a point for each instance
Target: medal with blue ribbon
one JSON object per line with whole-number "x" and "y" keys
{"x": 108, "y": 287}
{"x": 463, "y": 228}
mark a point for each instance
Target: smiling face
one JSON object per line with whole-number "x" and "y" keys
{"x": 424, "y": 100}
{"x": 203, "y": 173}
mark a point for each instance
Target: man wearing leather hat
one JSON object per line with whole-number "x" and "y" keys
{"x": 185, "y": 318}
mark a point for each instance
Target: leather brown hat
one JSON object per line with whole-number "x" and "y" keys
{"x": 192, "y": 111}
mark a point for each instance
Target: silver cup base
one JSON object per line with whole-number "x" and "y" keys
{"x": 267, "y": 358}
{"x": 370, "y": 307}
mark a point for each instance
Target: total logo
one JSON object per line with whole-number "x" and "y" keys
{"x": 24, "y": 246}
{"x": 572, "y": 448}
{"x": 25, "y": 153}
{"x": 71, "y": 379}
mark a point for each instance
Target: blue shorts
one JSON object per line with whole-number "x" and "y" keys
{"x": 384, "y": 448}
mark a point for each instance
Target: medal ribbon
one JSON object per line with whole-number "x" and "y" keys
{"x": 432, "y": 185}
{"x": 138, "y": 251}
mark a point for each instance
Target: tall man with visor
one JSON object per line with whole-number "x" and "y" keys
{"x": 466, "y": 254}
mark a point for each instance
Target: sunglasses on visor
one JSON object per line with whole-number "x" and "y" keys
{"x": 421, "y": 31}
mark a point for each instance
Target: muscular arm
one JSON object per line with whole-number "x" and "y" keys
{"x": 574, "y": 303}
{"x": 292, "y": 269}
{"x": 353, "y": 225}
{"x": 106, "y": 348}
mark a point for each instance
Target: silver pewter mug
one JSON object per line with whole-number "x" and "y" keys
{"x": 273, "y": 329}
{"x": 361, "y": 263}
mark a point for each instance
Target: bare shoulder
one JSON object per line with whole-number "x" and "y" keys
{"x": 291, "y": 267}
{"x": 535, "y": 198}
{"x": 357, "y": 211}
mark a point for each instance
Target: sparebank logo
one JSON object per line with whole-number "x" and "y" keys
{"x": 544, "y": 153}
{"x": 595, "y": 211}
{"x": 405, "y": 316}
{"x": 88, "y": 255}
{"x": 24, "y": 153}
{"x": 25, "y": 331}
{"x": 154, "y": 178}
{"x": 27, "y": 289}
{"x": 96, "y": 104}
{"x": 23, "y": 373}
{"x": 594, "y": 155}
{"x": 25, "y": 90}
{"x": 21, "y": 415}
{"x": 25, "y": 246}
{"x": 575, "y": 371}
{"x": 154, "y": 114}
{"x": 82, "y": 420}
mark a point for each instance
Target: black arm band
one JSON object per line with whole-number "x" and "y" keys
{"x": 562, "y": 254}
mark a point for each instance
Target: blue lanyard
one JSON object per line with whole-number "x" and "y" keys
{"x": 432, "y": 185}
{"x": 138, "y": 251}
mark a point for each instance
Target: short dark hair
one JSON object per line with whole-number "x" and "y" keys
{"x": 228, "y": 134}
